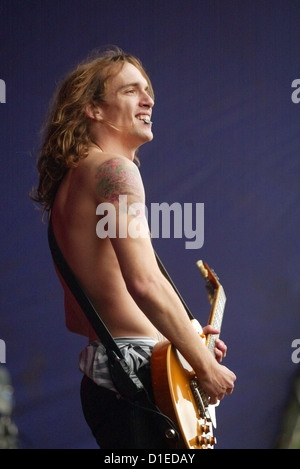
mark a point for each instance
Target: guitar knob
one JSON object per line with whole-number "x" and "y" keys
{"x": 203, "y": 441}
{"x": 170, "y": 433}
{"x": 212, "y": 440}
{"x": 205, "y": 428}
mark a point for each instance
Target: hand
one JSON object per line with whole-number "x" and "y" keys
{"x": 220, "y": 348}
{"x": 227, "y": 378}
{"x": 218, "y": 382}
{"x": 221, "y": 381}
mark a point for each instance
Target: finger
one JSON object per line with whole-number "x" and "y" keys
{"x": 219, "y": 355}
{"x": 213, "y": 400}
{"x": 221, "y": 346}
{"x": 230, "y": 390}
{"x": 210, "y": 330}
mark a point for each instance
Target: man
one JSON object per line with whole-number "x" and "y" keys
{"x": 100, "y": 118}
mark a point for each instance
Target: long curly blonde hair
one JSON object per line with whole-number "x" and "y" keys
{"x": 66, "y": 130}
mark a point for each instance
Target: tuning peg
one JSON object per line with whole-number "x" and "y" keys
{"x": 203, "y": 270}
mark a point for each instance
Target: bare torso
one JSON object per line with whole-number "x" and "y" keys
{"x": 93, "y": 260}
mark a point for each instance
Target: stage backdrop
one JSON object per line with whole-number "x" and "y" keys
{"x": 226, "y": 121}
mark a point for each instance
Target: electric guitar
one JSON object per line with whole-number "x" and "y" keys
{"x": 176, "y": 388}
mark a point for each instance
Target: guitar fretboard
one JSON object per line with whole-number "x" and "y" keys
{"x": 216, "y": 317}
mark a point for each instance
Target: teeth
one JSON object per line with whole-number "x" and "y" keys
{"x": 146, "y": 119}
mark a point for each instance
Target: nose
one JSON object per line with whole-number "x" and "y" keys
{"x": 147, "y": 100}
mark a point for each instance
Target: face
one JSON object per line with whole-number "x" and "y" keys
{"x": 128, "y": 106}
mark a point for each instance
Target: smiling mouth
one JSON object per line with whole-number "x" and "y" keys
{"x": 145, "y": 118}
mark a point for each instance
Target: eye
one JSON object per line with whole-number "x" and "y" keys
{"x": 130, "y": 91}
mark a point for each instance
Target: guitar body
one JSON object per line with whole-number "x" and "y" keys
{"x": 173, "y": 383}
{"x": 176, "y": 389}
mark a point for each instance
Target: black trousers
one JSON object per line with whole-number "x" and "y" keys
{"x": 117, "y": 423}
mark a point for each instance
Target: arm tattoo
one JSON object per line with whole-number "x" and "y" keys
{"x": 117, "y": 177}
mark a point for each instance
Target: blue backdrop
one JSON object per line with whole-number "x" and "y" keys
{"x": 226, "y": 134}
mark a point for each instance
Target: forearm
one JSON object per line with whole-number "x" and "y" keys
{"x": 162, "y": 306}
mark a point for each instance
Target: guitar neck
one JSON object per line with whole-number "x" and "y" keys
{"x": 216, "y": 316}
{"x": 217, "y": 299}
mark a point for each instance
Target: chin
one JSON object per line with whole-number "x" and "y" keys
{"x": 150, "y": 136}
{"x": 146, "y": 137}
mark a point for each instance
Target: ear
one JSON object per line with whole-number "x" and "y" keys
{"x": 93, "y": 111}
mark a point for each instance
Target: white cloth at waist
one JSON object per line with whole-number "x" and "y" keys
{"x": 93, "y": 361}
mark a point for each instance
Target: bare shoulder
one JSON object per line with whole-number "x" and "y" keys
{"x": 116, "y": 175}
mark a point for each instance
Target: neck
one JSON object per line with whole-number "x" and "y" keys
{"x": 113, "y": 141}
{"x": 96, "y": 145}
{"x": 116, "y": 148}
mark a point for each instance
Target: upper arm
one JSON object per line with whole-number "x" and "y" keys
{"x": 120, "y": 191}
{"x": 119, "y": 176}
{"x": 121, "y": 195}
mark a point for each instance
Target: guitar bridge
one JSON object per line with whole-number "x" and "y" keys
{"x": 200, "y": 397}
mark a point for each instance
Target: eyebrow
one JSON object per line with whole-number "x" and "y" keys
{"x": 134, "y": 85}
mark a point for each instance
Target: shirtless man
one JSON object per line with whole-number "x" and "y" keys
{"x": 100, "y": 118}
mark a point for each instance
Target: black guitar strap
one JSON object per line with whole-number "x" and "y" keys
{"x": 124, "y": 378}
{"x": 167, "y": 275}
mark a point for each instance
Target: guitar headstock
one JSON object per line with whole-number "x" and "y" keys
{"x": 211, "y": 279}
{"x": 208, "y": 273}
